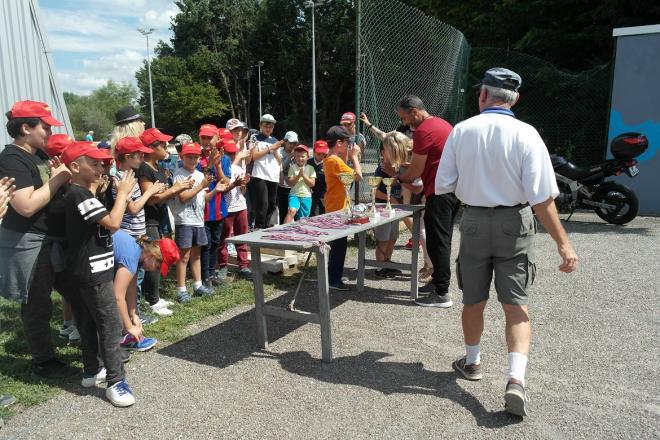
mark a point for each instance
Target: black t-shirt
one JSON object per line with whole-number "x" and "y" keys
{"x": 32, "y": 170}
{"x": 319, "y": 187}
{"x": 90, "y": 254}
{"x": 155, "y": 213}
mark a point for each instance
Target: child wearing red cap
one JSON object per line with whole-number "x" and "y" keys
{"x": 188, "y": 211}
{"x": 90, "y": 266}
{"x": 153, "y": 256}
{"x": 301, "y": 178}
{"x": 321, "y": 150}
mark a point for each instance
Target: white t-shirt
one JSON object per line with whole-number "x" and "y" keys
{"x": 267, "y": 167}
{"x": 192, "y": 212}
{"x": 235, "y": 198}
{"x": 135, "y": 225}
{"x": 493, "y": 159}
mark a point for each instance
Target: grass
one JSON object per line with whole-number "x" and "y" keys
{"x": 15, "y": 361}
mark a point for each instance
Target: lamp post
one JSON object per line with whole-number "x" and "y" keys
{"x": 146, "y": 33}
{"x": 312, "y": 4}
{"x": 259, "y": 64}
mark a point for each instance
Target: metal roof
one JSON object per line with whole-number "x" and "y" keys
{"x": 27, "y": 70}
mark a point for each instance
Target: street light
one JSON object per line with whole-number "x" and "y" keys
{"x": 146, "y": 33}
{"x": 259, "y": 64}
{"x": 312, "y": 4}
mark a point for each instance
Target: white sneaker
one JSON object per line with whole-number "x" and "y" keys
{"x": 165, "y": 302}
{"x": 74, "y": 336}
{"x": 90, "y": 380}
{"x": 65, "y": 331}
{"x": 161, "y": 309}
{"x": 120, "y": 394}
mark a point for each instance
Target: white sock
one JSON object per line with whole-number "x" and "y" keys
{"x": 473, "y": 354}
{"x": 517, "y": 366}
{"x": 181, "y": 289}
{"x": 197, "y": 285}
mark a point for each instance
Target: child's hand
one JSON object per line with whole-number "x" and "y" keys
{"x": 221, "y": 187}
{"x": 214, "y": 156}
{"x": 182, "y": 185}
{"x": 208, "y": 178}
{"x": 103, "y": 184}
{"x": 156, "y": 188}
{"x": 127, "y": 183}
{"x": 6, "y": 194}
{"x": 58, "y": 167}
{"x": 363, "y": 118}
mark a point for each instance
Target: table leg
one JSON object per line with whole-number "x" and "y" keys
{"x": 258, "y": 285}
{"x": 362, "y": 244}
{"x": 324, "y": 304}
{"x": 414, "y": 276}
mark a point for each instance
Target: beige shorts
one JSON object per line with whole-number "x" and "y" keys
{"x": 496, "y": 241}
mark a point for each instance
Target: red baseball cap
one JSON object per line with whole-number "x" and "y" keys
{"x": 79, "y": 149}
{"x": 170, "y": 253}
{"x": 57, "y": 143}
{"x": 347, "y": 117}
{"x": 130, "y": 145}
{"x": 225, "y": 134}
{"x": 152, "y": 135}
{"x": 209, "y": 130}
{"x": 229, "y": 145}
{"x": 321, "y": 146}
{"x": 302, "y": 147}
{"x": 191, "y": 148}
{"x": 34, "y": 109}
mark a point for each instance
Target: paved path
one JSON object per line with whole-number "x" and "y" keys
{"x": 593, "y": 371}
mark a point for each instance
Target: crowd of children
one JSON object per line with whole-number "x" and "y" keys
{"x": 96, "y": 223}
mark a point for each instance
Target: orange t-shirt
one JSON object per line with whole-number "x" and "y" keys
{"x": 335, "y": 195}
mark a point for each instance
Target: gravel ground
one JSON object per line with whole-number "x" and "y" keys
{"x": 593, "y": 371}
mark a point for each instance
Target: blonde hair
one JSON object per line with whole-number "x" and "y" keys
{"x": 399, "y": 146}
{"x": 133, "y": 128}
{"x": 151, "y": 247}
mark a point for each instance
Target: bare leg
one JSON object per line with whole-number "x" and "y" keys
{"x": 290, "y": 215}
{"x": 181, "y": 267}
{"x": 195, "y": 263}
{"x": 518, "y": 328}
{"x": 473, "y": 322}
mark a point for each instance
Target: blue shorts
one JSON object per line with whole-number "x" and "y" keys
{"x": 186, "y": 236}
{"x": 302, "y": 205}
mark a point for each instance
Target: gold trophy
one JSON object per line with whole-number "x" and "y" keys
{"x": 388, "y": 181}
{"x": 347, "y": 180}
{"x": 373, "y": 182}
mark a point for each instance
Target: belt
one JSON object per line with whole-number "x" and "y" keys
{"x": 518, "y": 206}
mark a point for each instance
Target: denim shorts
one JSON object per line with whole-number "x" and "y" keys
{"x": 186, "y": 236}
{"x": 496, "y": 241}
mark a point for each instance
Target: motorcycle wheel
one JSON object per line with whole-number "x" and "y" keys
{"x": 625, "y": 200}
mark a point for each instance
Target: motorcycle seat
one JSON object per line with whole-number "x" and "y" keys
{"x": 573, "y": 172}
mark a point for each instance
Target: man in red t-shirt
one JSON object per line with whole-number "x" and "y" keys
{"x": 430, "y": 134}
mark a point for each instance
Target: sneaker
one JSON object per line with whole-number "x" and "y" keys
{"x": 516, "y": 400}
{"x": 435, "y": 300}
{"x": 148, "y": 319}
{"x": 383, "y": 273}
{"x": 161, "y": 309}
{"x": 53, "y": 369}
{"x": 245, "y": 273}
{"x": 120, "y": 394}
{"x": 203, "y": 291}
{"x": 392, "y": 271}
{"x": 165, "y": 302}
{"x": 341, "y": 286}
{"x": 74, "y": 336}
{"x": 221, "y": 274}
{"x": 216, "y": 280}
{"x": 6, "y": 400}
{"x": 470, "y": 372}
{"x": 183, "y": 297}
{"x": 231, "y": 249}
{"x": 130, "y": 343}
{"x": 91, "y": 380}
{"x": 65, "y": 331}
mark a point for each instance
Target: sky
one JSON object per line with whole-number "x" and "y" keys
{"x": 93, "y": 41}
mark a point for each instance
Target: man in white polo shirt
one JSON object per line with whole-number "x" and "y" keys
{"x": 499, "y": 166}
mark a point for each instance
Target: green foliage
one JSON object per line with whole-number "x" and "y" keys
{"x": 97, "y": 111}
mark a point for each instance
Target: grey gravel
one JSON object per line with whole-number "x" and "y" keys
{"x": 593, "y": 371}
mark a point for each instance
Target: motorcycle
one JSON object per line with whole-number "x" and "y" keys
{"x": 586, "y": 187}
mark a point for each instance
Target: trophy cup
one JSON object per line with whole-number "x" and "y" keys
{"x": 373, "y": 182}
{"x": 388, "y": 181}
{"x": 347, "y": 180}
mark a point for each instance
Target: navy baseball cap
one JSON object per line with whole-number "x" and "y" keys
{"x": 501, "y": 78}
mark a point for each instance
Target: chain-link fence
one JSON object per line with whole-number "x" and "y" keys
{"x": 569, "y": 110}
{"x": 403, "y": 51}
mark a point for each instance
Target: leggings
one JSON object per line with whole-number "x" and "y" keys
{"x": 264, "y": 201}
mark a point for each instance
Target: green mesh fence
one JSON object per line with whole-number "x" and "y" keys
{"x": 403, "y": 51}
{"x": 570, "y": 111}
